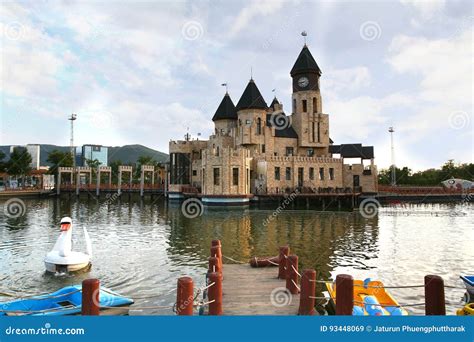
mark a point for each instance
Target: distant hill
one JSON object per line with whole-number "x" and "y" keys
{"x": 130, "y": 153}
{"x": 126, "y": 154}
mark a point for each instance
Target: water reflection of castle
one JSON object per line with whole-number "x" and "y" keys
{"x": 322, "y": 241}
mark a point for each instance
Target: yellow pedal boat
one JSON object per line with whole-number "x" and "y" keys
{"x": 370, "y": 299}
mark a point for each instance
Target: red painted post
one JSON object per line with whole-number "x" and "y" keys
{"x": 185, "y": 296}
{"x": 215, "y": 294}
{"x": 344, "y": 294}
{"x": 216, "y": 251}
{"x": 434, "y": 296}
{"x": 216, "y": 243}
{"x": 284, "y": 252}
{"x": 214, "y": 265}
{"x": 291, "y": 274}
{"x": 308, "y": 290}
{"x": 90, "y": 297}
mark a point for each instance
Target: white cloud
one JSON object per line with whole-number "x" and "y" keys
{"x": 426, "y": 8}
{"x": 255, "y": 9}
{"x": 347, "y": 79}
{"x": 444, "y": 67}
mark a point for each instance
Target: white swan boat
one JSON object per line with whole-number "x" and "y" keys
{"x": 62, "y": 258}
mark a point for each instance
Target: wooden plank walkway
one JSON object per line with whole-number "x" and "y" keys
{"x": 248, "y": 291}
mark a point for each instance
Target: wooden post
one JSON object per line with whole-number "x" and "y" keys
{"x": 214, "y": 265}
{"x": 216, "y": 251}
{"x": 216, "y": 243}
{"x": 308, "y": 290}
{"x": 90, "y": 297}
{"x": 344, "y": 294}
{"x": 291, "y": 274}
{"x": 215, "y": 294}
{"x": 185, "y": 296}
{"x": 284, "y": 252}
{"x": 434, "y": 296}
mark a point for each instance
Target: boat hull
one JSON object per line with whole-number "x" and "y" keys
{"x": 66, "y": 301}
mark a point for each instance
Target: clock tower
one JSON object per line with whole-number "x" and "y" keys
{"x": 311, "y": 125}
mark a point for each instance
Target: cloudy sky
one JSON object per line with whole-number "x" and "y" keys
{"x": 144, "y": 73}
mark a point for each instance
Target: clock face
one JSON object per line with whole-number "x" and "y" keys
{"x": 303, "y": 82}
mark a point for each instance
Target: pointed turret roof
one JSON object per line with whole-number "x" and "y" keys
{"x": 251, "y": 98}
{"x": 305, "y": 63}
{"x": 226, "y": 110}
{"x": 274, "y": 102}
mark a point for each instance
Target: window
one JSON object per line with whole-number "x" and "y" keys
{"x": 259, "y": 126}
{"x": 277, "y": 173}
{"x": 275, "y": 154}
{"x": 331, "y": 173}
{"x": 294, "y": 106}
{"x": 289, "y": 151}
{"x": 311, "y": 173}
{"x": 248, "y": 122}
{"x": 96, "y": 148}
{"x": 310, "y": 152}
{"x": 312, "y": 131}
{"x": 321, "y": 173}
{"x": 217, "y": 151}
{"x": 235, "y": 176}
{"x": 195, "y": 172}
{"x": 305, "y": 106}
{"x": 319, "y": 133}
{"x": 217, "y": 176}
{"x": 263, "y": 148}
{"x": 315, "y": 105}
{"x": 288, "y": 173}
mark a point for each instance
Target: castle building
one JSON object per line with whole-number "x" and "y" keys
{"x": 257, "y": 149}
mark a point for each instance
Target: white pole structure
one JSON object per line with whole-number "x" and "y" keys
{"x": 72, "y": 118}
{"x": 393, "y": 180}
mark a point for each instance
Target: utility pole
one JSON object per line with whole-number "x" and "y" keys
{"x": 72, "y": 118}
{"x": 393, "y": 180}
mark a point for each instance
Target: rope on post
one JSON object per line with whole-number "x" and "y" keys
{"x": 185, "y": 296}
{"x": 291, "y": 276}
{"x": 215, "y": 294}
{"x": 344, "y": 294}
{"x": 434, "y": 296}
{"x": 284, "y": 251}
{"x": 296, "y": 271}
{"x": 214, "y": 264}
{"x": 308, "y": 290}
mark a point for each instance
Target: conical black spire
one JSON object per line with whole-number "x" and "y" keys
{"x": 251, "y": 98}
{"x": 305, "y": 63}
{"x": 226, "y": 110}
{"x": 274, "y": 102}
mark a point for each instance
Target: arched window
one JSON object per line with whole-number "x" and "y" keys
{"x": 315, "y": 105}
{"x": 259, "y": 126}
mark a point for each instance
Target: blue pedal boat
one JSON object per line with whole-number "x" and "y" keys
{"x": 66, "y": 301}
{"x": 469, "y": 283}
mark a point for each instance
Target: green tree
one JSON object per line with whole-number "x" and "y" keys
{"x": 19, "y": 163}
{"x": 59, "y": 159}
{"x": 143, "y": 160}
{"x": 2, "y": 163}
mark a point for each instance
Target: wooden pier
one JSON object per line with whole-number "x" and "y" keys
{"x": 256, "y": 291}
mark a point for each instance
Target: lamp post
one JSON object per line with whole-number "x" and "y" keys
{"x": 73, "y": 118}
{"x": 393, "y": 179}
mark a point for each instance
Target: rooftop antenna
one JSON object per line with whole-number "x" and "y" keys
{"x": 187, "y": 136}
{"x": 72, "y": 118}
{"x": 251, "y": 73}
{"x": 274, "y": 92}
{"x": 225, "y": 85}
{"x": 393, "y": 180}
{"x": 304, "y": 34}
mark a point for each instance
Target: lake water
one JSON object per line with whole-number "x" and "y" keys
{"x": 141, "y": 247}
